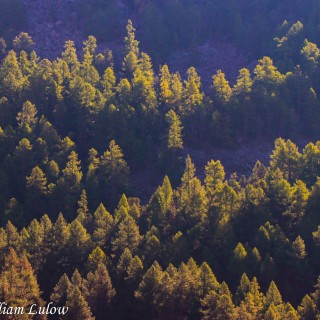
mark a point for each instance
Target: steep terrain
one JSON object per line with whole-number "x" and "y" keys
{"x": 52, "y": 23}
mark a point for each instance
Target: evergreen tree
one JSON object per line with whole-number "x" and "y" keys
{"x": 96, "y": 257}
{"x": 37, "y": 182}
{"x": 244, "y": 83}
{"x": 221, "y": 87}
{"x": 19, "y": 287}
{"x": 174, "y": 135}
{"x": 100, "y": 291}
{"x": 103, "y": 224}
{"x": 127, "y": 236}
{"x": 78, "y": 308}
{"x": 59, "y": 294}
{"x": 307, "y": 308}
{"x": 150, "y": 287}
{"x": 27, "y": 116}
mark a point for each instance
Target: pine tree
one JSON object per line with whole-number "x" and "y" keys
{"x": 61, "y": 233}
{"x": 177, "y": 89}
{"x": 174, "y": 135}
{"x": 70, "y": 57}
{"x": 96, "y": 257}
{"x": 192, "y": 95}
{"x": 135, "y": 271}
{"x": 59, "y": 294}
{"x": 218, "y": 305}
{"x": 102, "y": 225}
{"x": 131, "y": 49}
{"x": 207, "y": 280}
{"x": 311, "y": 54}
{"x": 188, "y": 174}
{"x": 272, "y": 313}
{"x": 244, "y": 83}
{"x": 127, "y": 236}
{"x": 12, "y": 235}
{"x": 165, "y": 85}
{"x": 11, "y": 77}
{"x": 100, "y": 291}
{"x": 185, "y": 289}
{"x": 123, "y": 263}
{"x": 123, "y": 202}
{"x": 114, "y": 170}
{"x": 27, "y": 116}
{"x": 72, "y": 174}
{"x": 131, "y": 44}
{"x": 286, "y": 157}
{"x": 23, "y": 42}
{"x": 299, "y": 248}
{"x": 146, "y": 68}
{"x": 78, "y": 308}
{"x": 18, "y": 285}
{"x": 273, "y": 296}
{"x": 243, "y": 288}
{"x": 214, "y": 174}
{"x": 108, "y": 83}
{"x": 150, "y": 286}
{"x": 221, "y": 87}
{"x": 79, "y": 243}
{"x": 84, "y": 216}
{"x": 37, "y": 182}
{"x": 307, "y": 308}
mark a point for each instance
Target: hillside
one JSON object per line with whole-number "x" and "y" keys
{"x": 159, "y": 160}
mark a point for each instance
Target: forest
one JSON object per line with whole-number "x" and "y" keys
{"x": 74, "y": 129}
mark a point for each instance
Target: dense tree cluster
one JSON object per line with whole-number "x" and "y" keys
{"x": 217, "y": 248}
{"x": 222, "y": 249}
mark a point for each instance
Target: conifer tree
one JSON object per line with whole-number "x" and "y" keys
{"x": 100, "y": 290}
{"x": 19, "y": 287}
{"x": 243, "y": 288}
{"x": 72, "y": 173}
{"x": 127, "y": 236}
{"x": 273, "y": 296}
{"x": 79, "y": 243}
{"x": 70, "y": 57}
{"x": 124, "y": 262}
{"x": 207, "y": 280}
{"x": 131, "y": 44}
{"x": 78, "y": 308}
{"x": 165, "y": 85}
{"x": 108, "y": 83}
{"x": 96, "y": 257}
{"x": 177, "y": 89}
{"x": 23, "y": 42}
{"x": 150, "y": 287}
{"x": 214, "y": 174}
{"x": 188, "y": 174}
{"x": 59, "y": 294}
{"x": 11, "y": 76}
{"x": 84, "y": 216}
{"x": 114, "y": 170}
{"x": 135, "y": 271}
{"x": 193, "y": 97}
{"x": 103, "y": 225}
{"x": 307, "y": 308}
{"x": 27, "y": 116}
{"x": 37, "y": 182}
{"x": 221, "y": 87}
{"x": 174, "y": 135}
{"x": 244, "y": 83}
